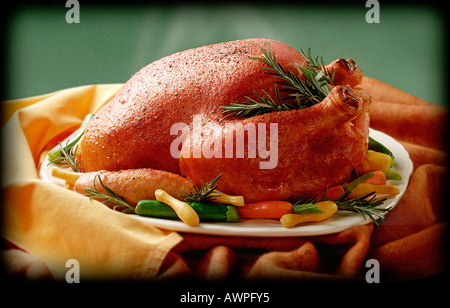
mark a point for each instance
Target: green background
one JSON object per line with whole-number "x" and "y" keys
{"x": 44, "y": 53}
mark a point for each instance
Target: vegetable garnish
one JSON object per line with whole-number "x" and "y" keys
{"x": 209, "y": 193}
{"x": 228, "y": 199}
{"x": 325, "y": 208}
{"x": 206, "y": 211}
{"x": 165, "y": 205}
{"x": 205, "y": 193}
{"x": 366, "y": 205}
{"x": 265, "y": 209}
{"x": 183, "y": 210}
{"x": 392, "y": 173}
{"x": 356, "y": 196}
{"x": 306, "y": 208}
{"x": 379, "y": 147}
{"x": 350, "y": 186}
{"x": 69, "y": 177}
{"x": 303, "y": 91}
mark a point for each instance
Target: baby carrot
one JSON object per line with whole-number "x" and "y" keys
{"x": 333, "y": 192}
{"x": 265, "y": 209}
{"x": 378, "y": 178}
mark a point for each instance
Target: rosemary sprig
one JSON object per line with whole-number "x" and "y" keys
{"x": 313, "y": 200}
{"x": 308, "y": 91}
{"x": 207, "y": 192}
{"x": 67, "y": 155}
{"x": 67, "y": 152}
{"x": 303, "y": 91}
{"x": 110, "y": 197}
{"x": 258, "y": 106}
{"x": 366, "y": 206}
{"x": 313, "y": 64}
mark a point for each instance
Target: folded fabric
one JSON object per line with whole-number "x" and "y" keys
{"x": 410, "y": 244}
{"x": 56, "y": 224}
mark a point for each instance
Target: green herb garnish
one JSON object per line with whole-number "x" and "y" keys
{"x": 206, "y": 192}
{"x": 366, "y": 206}
{"x": 303, "y": 91}
{"x": 260, "y": 105}
{"x": 67, "y": 152}
{"x": 67, "y": 155}
{"x": 109, "y": 197}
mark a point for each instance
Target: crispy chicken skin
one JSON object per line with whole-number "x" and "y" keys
{"x": 317, "y": 147}
{"x": 133, "y": 129}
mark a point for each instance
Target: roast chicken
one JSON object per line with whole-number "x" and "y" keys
{"x": 152, "y": 123}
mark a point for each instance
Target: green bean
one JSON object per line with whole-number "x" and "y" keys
{"x": 205, "y": 210}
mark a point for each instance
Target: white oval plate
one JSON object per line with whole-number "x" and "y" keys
{"x": 271, "y": 227}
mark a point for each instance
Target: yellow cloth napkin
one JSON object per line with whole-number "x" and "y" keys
{"x": 54, "y": 223}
